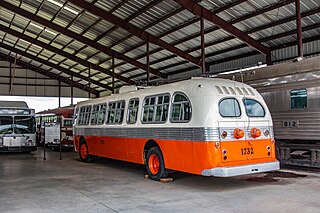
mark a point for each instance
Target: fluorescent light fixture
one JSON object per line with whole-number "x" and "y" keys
{"x": 41, "y": 28}
{"x": 49, "y": 31}
{"x": 55, "y": 3}
{"x": 61, "y": 5}
{"x": 37, "y": 26}
{"x": 71, "y": 10}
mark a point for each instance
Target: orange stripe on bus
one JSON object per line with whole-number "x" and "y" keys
{"x": 186, "y": 156}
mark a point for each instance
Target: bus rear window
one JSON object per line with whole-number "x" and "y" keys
{"x": 253, "y": 108}
{"x": 229, "y": 107}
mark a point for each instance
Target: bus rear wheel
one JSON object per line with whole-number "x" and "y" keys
{"x": 155, "y": 164}
{"x": 84, "y": 152}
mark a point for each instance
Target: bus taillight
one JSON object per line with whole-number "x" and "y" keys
{"x": 224, "y": 134}
{"x": 238, "y": 133}
{"x": 266, "y": 132}
{"x": 255, "y": 133}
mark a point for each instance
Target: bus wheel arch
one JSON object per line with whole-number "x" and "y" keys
{"x": 154, "y": 161}
{"x": 84, "y": 151}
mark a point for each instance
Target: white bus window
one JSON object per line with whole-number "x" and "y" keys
{"x": 102, "y": 114}
{"x": 299, "y": 99}
{"x": 133, "y": 111}
{"x": 253, "y": 108}
{"x": 181, "y": 108}
{"x": 94, "y": 115}
{"x": 162, "y": 108}
{"x": 148, "y": 110}
{"x": 84, "y": 115}
{"x": 155, "y": 109}
{"x": 116, "y": 112}
{"x": 229, "y": 107}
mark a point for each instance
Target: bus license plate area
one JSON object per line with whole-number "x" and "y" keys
{"x": 14, "y": 148}
{"x": 13, "y": 141}
{"x": 247, "y": 151}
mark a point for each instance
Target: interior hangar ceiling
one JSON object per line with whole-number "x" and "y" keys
{"x": 100, "y": 45}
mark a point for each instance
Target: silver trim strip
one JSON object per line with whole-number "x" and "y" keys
{"x": 241, "y": 170}
{"x": 187, "y": 134}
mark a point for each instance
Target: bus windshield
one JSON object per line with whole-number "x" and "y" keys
{"x": 24, "y": 124}
{"x": 6, "y": 126}
{"x": 18, "y": 125}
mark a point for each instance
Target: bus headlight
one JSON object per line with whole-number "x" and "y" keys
{"x": 266, "y": 132}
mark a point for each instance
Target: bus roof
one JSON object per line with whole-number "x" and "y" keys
{"x": 209, "y": 86}
{"x": 13, "y": 104}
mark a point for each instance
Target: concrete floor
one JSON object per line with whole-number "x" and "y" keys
{"x": 30, "y": 184}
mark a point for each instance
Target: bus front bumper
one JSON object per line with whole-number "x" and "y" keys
{"x": 241, "y": 170}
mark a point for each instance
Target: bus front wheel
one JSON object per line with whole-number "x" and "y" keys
{"x": 155, "y": 164}
{"x": 84, "y": 152}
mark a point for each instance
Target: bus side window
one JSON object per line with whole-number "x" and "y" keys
{"x": 156, "y": 108}
{"x": 116, "y": 112}
{"x": 84, "y": 115}
{"x": 132, "y": 111}
{"x": 102, "y": 114}
{"x": 94, "y": 115}
{"x": 181, "y": 108}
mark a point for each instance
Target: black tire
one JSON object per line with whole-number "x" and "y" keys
{"x": 159, "y": 172}
{"x": 84, "y": 157}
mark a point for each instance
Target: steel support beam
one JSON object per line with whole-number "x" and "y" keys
{"x": 64, "y": 70}
{"x": 187, "y": 23}
{"x": 59, "y": 93}
{"x": 62, "y": 53}
{"x": 112, "y": 64}
{"x": 211, "y": 29}
{"x": 299, "y": 28}
{"x": 148, "y": 62}
{"x": 203, "y": 57}
{"x": 48, "y": 74}
{"x": 89, "y": 85}
{"x": 71, "y": 89}
{"x": 210, "y": 16}
{"x": 134, "y": 30}
{"x": 78, "y": 37}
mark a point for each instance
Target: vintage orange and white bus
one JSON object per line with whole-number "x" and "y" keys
{"x": 205, "y": 126}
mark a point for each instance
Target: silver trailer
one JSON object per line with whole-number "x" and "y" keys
{"x": 292, "y": 93}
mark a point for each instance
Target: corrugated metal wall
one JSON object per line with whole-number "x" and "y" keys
{"x": 29, "y": 83}
{"x": 310, "y": 49}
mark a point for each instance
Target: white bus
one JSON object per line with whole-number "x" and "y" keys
{"x": 206, "y": 126}
{"x": 17, "y": 127}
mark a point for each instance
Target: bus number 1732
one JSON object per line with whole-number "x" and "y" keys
{"x": 246, "y": 151}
